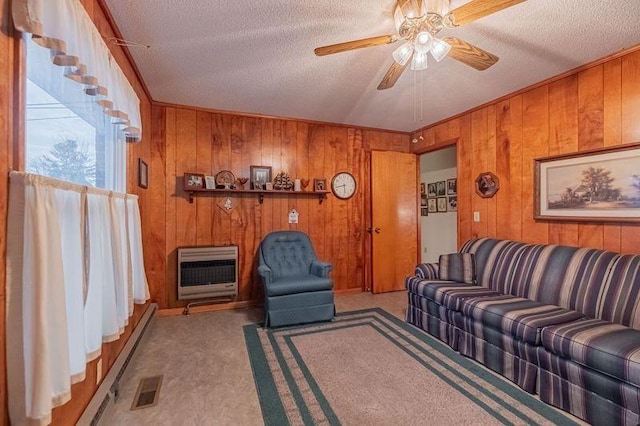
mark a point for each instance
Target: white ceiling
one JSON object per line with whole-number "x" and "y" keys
{"x": 256, "y": 56}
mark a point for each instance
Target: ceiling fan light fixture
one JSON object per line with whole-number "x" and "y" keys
{"x": 441, "y": 7}
{"x": 423, "y": 42}
{"x": 419, "y": 61}
{"x": 403, "y": 53}
{"x": 439, "y": 49}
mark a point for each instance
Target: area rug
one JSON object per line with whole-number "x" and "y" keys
{"x": 370, "y": 368}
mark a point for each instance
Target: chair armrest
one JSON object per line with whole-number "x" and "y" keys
{"x": 428, "y": 271}
{"x": 265, "y": 272}
{"x": 321, "y": 269}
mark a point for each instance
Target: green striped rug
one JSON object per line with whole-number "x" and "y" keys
{"x": 369, "y": 367}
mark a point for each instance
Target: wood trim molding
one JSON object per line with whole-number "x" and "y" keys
{"x": 534, "y": 86}
{"x": 272, "y": 117}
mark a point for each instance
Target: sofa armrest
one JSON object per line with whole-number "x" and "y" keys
{"x": 428, "y": 271}
{"x": 321, "y": 269}
{"x": 265, "y": 272}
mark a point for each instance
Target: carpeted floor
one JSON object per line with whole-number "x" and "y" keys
{"x": 369, "y": 367}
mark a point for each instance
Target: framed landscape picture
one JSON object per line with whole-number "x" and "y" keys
{"x": 598, "y": 186}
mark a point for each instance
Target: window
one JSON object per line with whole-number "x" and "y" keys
{"x": 68, "y": 135}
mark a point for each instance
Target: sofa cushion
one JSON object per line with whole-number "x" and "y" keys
{"x": 447, "y": 293}
{"x": 609, "y": 348}
{"x": 298, "y": 284}
{"x": 459, "y": 267}
{"x": 428, "y": 271}
{"x": 618, "y": 296}
{"x": 522, "y": 318}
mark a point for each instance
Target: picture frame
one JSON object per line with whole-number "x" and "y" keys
{"x": 601, "y": 185}
{"x": 487, "y": 185}
{"x": 259, "y": 176}
{"x": 210, "y": 182}
{"x": 432, "y": 205}
{"x": 452, "y": 186}
{"x": 442, "y": 204}
{"x": 193, "y": 181}
{"x": 423, "y": 189}
{"x": 319, "y": 185}
{"x": 423, "y": 199}
{"x": 431, "y": 190}
{"x": 441, "y": 189}
{"x": 424, "y": 211}
{"x": 452, "y": 203}
{"x": 143, "y": 174}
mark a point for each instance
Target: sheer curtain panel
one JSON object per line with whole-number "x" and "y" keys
{"x": 73, "y": 253}
{"x": 65, "y": 28}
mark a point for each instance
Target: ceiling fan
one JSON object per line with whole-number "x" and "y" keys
{"x": 418, "y": 22}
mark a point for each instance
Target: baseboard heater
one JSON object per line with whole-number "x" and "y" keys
{"x": 206, "y": 272}
{"x": 107, "y": 393}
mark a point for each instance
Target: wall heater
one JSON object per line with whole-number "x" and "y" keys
{"x": 207, "y": 272}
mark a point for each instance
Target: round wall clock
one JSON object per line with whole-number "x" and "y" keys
{"x": 343, "y": 185}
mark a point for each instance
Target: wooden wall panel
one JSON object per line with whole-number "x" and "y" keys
{"x": 206, "y": 142}
{"x": 595, "y": 107}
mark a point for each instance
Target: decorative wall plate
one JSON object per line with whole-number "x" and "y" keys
{"x": 225, "y": 178}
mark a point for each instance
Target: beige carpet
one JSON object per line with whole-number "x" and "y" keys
{"x": 368, "y": 367}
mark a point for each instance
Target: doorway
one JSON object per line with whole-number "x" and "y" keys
{"x": 439, "y": 223}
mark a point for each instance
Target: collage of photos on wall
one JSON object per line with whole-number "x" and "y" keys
{"x": 439, "y": 197}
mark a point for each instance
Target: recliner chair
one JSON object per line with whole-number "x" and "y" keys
{"x": 297, "y": 287}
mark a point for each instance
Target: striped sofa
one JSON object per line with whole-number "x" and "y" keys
{"x": 559, "y": 321}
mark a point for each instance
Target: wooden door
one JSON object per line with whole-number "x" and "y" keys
{"x": 394, "y": 219}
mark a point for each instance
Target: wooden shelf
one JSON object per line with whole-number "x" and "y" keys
{"x": 321, "y": 195}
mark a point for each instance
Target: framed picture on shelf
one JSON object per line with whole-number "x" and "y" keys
{"x": 424, "y": 211}
{"x": 193, "y": 181}
{"x": 432, "y": 205}
{"x": 431, "y": 190}
{"x": 442, "y": 204}
{"x": 210, "y": 182}
{"x": 599, "y": 185}
{"x": 453, "y": 203}
{"x": 452, "y": 186}
{"x": 143, "y": 174}
{"x": 259, "y": 176}
{"x": 319, "y": 184}
{"x": 441, "y": 189}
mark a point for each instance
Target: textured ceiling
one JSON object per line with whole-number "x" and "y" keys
{"x": 256, "y": 56}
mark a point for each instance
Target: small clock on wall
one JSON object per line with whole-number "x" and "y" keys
{"x": 343, "y": 185}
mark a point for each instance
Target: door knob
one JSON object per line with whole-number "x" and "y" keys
{"x": 370, "y": 230}
{"x": 377, "y": 230}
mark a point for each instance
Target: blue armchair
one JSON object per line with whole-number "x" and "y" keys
{"x": 297, "y": 287}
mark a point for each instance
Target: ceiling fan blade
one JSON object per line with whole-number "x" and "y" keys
{"x": 477, "y": 9}
{"x": 470, "y": 55}
{"x": 392, "y": 75}
{"x": 355, "y": 44}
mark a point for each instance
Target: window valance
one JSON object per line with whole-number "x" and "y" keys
{"x": 65, "y": 28}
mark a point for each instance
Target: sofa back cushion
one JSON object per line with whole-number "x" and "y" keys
{"x": 569, "y": 277}
{"x": 619, "y": 297}
{"x": 494, "y": 260}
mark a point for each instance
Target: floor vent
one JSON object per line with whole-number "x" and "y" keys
{"x": 147, "y": 393}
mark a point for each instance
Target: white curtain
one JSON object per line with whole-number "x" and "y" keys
{"x": 69, "y": 259}
{"x": 74, "y": 42}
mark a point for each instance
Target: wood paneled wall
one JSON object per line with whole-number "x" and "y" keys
{"x": 191, "y": 140}
{"x": 11, "y": 128}
{"x": 594, "y": 107}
